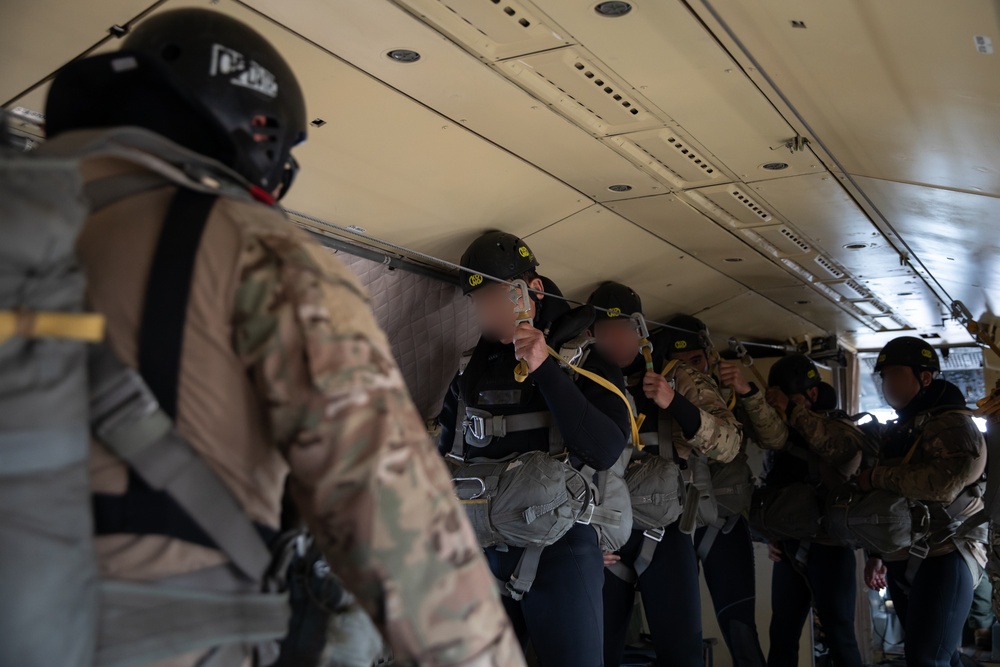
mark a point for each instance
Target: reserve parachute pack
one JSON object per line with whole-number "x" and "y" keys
{"x": 788, "y": 512}
{"x": 61, "y": 386}
{"x": 532, "y": 500}
{"x": 885, "y": 522}
{"x": 797, "y": 511}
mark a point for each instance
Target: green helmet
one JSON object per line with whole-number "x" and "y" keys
{"x": 794, "y": 374}
{"x": 617, "y": 300}
{"x": 908, "y": 351}
{"x": 497, "y": 255}
{"x": 685, "y": 333}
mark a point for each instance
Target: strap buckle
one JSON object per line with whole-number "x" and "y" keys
{"x": 920, "y": 549}
{"x": 120, "y": 398}
{"x": 475, "y": 426}
{"x": 588, "y": 514}
{"x": 655, "y": 534}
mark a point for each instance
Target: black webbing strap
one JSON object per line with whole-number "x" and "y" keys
{"x": 143, "y": 510}
{"x": 164, "y": 313}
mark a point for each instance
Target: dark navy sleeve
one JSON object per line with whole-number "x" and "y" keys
{"x": 592, "y": 420}
{"x": 687, "y": 415}
{"x": 448, "y": 418}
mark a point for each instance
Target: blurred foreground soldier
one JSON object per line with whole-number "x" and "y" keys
{"x": 262, "y": 361}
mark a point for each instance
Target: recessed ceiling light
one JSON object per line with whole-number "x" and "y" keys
{"x": 621, "y": 187}
{"x": 404, "y": 55}
{"x": 856, "y": 246}
{"x": 613, "y": 9}
{"x": 775, "y": 166}
{"x": 733, "y": 259}
{"x": 802, "y": 302}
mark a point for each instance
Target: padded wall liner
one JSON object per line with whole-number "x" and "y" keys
{"x": 429, "y": 324}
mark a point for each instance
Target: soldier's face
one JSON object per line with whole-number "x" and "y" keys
{"x": 495, "y": 310}
{"x": 696, "y": 359}
{"x": 617, "y": 340}
{"x": 900, "y": 385}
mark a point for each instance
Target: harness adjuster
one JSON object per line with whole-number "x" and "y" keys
{"x": 118, "y": 400}
{"x": 474, "y": 425}
{"x": 588, "y": 514}
{"x": 920, "y": 550}
{"x": 655, "y": 534}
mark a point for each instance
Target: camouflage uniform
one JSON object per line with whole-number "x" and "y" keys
{"x": 720, "y": 435}
{"x": 762, "y": 422}
{"x": 285, "y": 371}
{"x": 950, "y": 456}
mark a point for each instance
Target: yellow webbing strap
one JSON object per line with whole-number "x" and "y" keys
{"x": 593, "y": 377}
{"x": 84, "y": 327}
{"x": 670, "y": 365}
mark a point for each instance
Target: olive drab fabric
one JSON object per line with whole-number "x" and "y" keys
{"x": 48, "y": 573}
{"x": 949, "y": 458}
{"x": 284, "y": 371}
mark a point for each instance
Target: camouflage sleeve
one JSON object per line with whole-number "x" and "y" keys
{"x": 951, "y": 456}
{"x": 363, "y": 471}
{"x": 720, "y": 435}
{"x": 765, "y": 422}
{"x": 835, "y": 441}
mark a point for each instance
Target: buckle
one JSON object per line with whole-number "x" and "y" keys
{"x": 474, "y": 425}
{"x": 588, "y": 515}
{"x": 655, "y": 534}
{"x": 920, "y": 550}
{"x": 120, "y": 399}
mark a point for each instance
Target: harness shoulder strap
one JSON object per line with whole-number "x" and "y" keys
{"x": 132, "y": 413}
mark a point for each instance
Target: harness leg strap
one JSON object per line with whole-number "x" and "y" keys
{"x": 524, "y": 575}
{"x": 651, "y": 538}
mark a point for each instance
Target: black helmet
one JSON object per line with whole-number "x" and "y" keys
{"x": 199, "y": 78}
{"x": 794, "y": 374}
{"x": 616, "y": 299}
{"x": 908, "y": 351}
{"x": 685, "y": 333}
{"x": 495, "y": 255}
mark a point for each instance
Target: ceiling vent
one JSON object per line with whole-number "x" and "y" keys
{"x": 829, "y": 267}
{"x": 785, "y": 239}
{"x": 570, "y": 82}
{"x": 492, "y": 30}
{"x": 851, "y": 289}
{"x": 669, "y": 155}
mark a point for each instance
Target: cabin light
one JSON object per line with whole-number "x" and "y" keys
{"x": 613, "y": 9}
{"x": 317, "y": 122}
{"x": 855, "y": 246}
{"x": 775, "y": 166}
{"x": 621, "y": 187}
{"x": 404, "y": 55}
